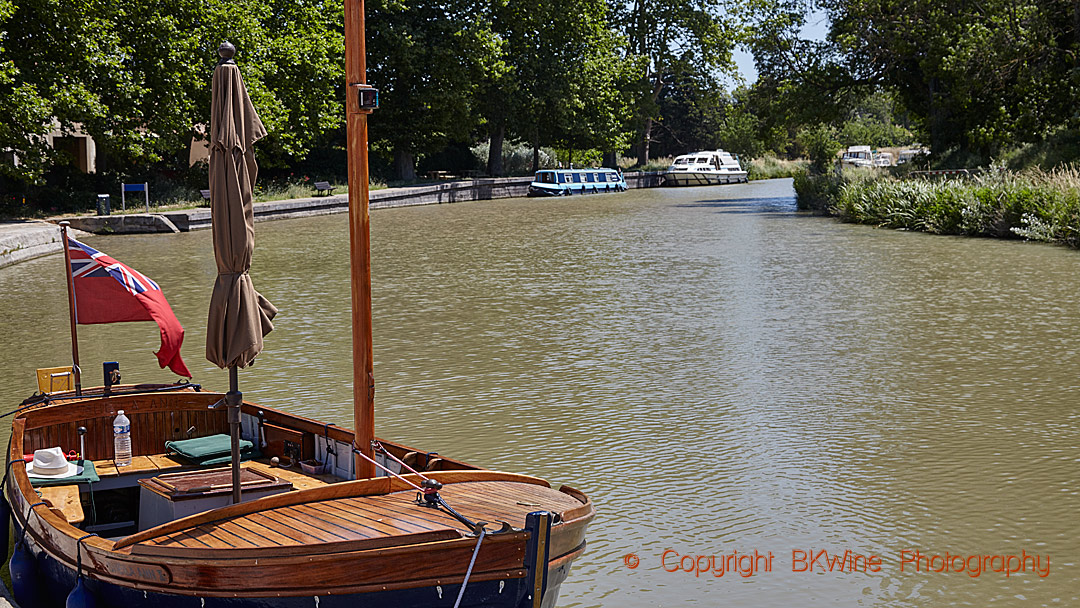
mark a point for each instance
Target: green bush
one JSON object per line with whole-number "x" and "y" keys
{"x": 821, "y": 145}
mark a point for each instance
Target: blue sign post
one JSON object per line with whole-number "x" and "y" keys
{"x": 125, "y": 188}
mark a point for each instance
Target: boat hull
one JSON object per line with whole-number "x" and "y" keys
{"x": 703, "y": 178}
{"x": 54, "y": 580}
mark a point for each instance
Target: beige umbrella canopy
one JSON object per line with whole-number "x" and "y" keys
{"x": 239, "y": 316}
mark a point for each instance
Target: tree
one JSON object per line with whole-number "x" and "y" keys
{"x": 565, "y": 74}
{"x": 428, "y": 59}
{"x": 978, "y": 76}
{"x": 676, "y": 37}
{"x": 135, "y": 75}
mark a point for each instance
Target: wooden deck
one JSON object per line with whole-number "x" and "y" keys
{"x": 365, "y": 518}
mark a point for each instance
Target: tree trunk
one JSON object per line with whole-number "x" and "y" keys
{"x": 938, "y": 117}
{"x": 611, "y": 160}
{"x": 643, "y": 151}
{"x": 536, "y": 151}
{"x": 404, "y": 165}
{"x": 496, "y": 134}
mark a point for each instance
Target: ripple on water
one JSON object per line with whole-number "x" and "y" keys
{"x": 717, "y": 371}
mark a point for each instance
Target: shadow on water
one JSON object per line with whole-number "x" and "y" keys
{"x": 747, "y": 205}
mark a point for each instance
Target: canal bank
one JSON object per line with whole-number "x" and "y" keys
{"x": 28, "y": 239}
{"x": 435, "y": 194}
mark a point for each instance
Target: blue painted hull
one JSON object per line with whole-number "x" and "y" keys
{"x": 55, "y": 581}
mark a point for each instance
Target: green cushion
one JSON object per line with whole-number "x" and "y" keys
{"x": 89, "y": 475}
{"x": 214, "y": 449}
{"x": 226, "y": 459}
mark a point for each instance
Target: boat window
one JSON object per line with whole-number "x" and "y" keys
{"x": 547, "y": 177}
{"x": 680, "y": 162}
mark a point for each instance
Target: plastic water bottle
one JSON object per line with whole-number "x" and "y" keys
{"x": 121, "y": 427}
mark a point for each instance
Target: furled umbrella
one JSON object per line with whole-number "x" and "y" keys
{"x": 239, "y": 317}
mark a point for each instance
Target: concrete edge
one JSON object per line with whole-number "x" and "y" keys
{"x": 35, "y": 239}
{"x": 41, "y": 238}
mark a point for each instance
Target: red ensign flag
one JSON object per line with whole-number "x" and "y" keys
{"x": 107, "y": 291}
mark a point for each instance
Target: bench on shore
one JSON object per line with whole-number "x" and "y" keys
{"x": 206, "y": 195}
{"x": 321, "y": 187}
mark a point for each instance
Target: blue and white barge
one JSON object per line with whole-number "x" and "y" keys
{"x": 564, "y": 182}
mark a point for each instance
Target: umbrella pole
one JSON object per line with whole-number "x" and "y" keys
{"x": 232, "y": 400}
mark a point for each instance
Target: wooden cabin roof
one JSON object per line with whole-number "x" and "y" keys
{"x": 393, "y": 517}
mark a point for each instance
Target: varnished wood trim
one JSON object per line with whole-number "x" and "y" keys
{"x": 108, "y": 406}
{"x": 585, "y": 510}
{"x": 350, "y": 489}
{"x": 265, "y": 552}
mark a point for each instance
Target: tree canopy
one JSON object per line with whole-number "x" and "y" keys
{"x": 640, "y": 76}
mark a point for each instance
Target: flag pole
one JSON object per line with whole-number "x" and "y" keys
{"x": 71, "y": 309}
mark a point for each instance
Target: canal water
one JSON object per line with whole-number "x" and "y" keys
{"x": 719, "y": 372}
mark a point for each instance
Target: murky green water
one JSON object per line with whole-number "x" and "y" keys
{"x": 717, "y": 371}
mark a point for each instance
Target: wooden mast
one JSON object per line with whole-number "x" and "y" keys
{"x": 359, "y": 238}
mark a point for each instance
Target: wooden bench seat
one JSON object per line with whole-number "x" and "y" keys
{"x": 66, "y": 500}
{"x": 321, "y": 187}
{"x": 141, "y": 464}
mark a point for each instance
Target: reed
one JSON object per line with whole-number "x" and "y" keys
{"x": 771, "y": 167}
{"x": 1032, "y": 204}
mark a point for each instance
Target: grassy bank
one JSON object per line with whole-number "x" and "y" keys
{"x": 770, "y": 167}
{"x": 1033, "y": 204}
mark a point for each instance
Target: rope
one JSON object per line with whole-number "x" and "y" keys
{"x": 468, "y": 573}
{"x": 375, "y": 445}
{"x": 78, "y": 553}
{"x": 326, "y": 437}
{"x": 329, "y": 448}
{"x": 7, "y": 469}
{"x": 93, "y": 505}
{"x": 372, "y": 461}
{"x": 45, "y": 400}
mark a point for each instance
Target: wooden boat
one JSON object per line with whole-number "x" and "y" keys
{"x": 320, "y": 516}
{"x": 327, "y": 541}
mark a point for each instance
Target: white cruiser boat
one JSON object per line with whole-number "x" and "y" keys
{"x": 704, "y": 169}
{"x": 858, "y": 156}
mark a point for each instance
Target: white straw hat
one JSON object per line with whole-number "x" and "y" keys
{"x": 50, "y": 463}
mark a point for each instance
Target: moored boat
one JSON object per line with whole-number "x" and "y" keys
{"x": 312, "y": 534}
{"x": 564, "y": 182}
{"x": 858, "y": 156}
{"x": 705, "y": 169}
